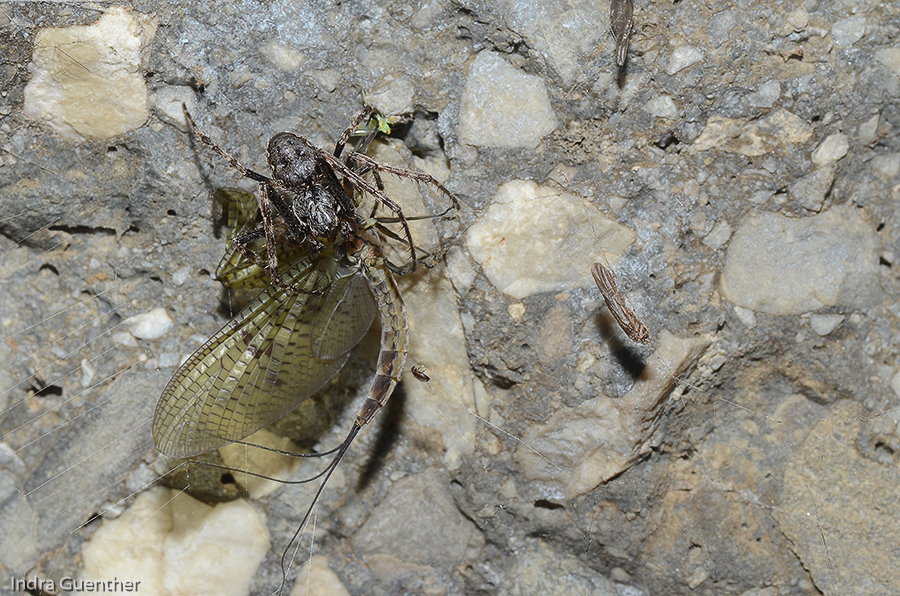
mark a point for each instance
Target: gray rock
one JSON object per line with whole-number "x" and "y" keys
{"x": 787, "y": 266}
{"x": 419, "y": 523}
{"x": 502, "y": 106}
{"x": 811, "y": 190}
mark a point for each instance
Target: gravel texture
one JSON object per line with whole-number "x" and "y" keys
{"x": 741, "y": 175}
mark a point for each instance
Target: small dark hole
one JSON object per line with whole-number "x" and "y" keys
{"x": 111, "y": 149}
{"x": 545, "y": 504}
{"x": 171, "y": 212}
{"x": 227, "y": 478}
{"x": 879, "y": 446}
{"x": 49, "y": 391}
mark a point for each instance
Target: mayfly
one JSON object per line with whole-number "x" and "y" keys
{"x": 633, "y": 327}
{"x": 621, "y": 21}
{"x": 325, "y": 278}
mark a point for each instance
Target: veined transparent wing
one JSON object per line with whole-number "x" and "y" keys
{"x": 263, "y": 363}
{"x": 235, "y": 270}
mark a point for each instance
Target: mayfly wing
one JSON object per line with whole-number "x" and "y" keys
{"x": 621, "y": 21}
{"x": 258, "y": 367}
{"x": 235, "y": 271}
{"x": 346, "y": 314}
{"x": 633, "y": 327}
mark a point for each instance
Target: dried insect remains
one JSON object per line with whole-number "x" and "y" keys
{"x": 324, "y": 278}
{"x": 621, "y": 21}
{"x": 633, "y": 327}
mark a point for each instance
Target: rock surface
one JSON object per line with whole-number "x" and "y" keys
{"x": 740, "y": 175}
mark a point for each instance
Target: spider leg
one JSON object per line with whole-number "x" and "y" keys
{"x": 244, "y": 171}
{"x": 360, "y": 183}
{"x": 417, "y": 176}
{"x": 345, "y": 136}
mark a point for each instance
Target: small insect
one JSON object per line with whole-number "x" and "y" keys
{"x": 633, "y": 327}
{"x": 324, "y": 279}
{"x": 418, "y": 371}
{"x": 621, "y": 22}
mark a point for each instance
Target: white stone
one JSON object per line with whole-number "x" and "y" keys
{"x": 315, "y": 578}
{"x": 847, "y": 32}
{"x": 784, "y": 266}
{"x": 798, "y": 18}
{"x": 746, "y": 316}
{"x": 272, "y": 464}
{"x": 886, "y": 165}
{"x": 563, "y": 32}
{"x": 502, "y": 106}
{"x": 683, "y": 57}
{"x": 176, "y": 545}
{"x": 825, "y": 324}
{"x": 662, "y": 106}
{"x": 537, "y": 238}
{"x": 833, "y": 148}
{"x": 868, "y": 130}
{"x": 283, "y": 56}
{"x": 753, "y": 138}
{"x": 766, "y": 96}
{"x": 149, "y": 325}
{"x": 890, "y": 57}
{"x": 167, "y": 102}
{"x": 87, "y": 80}
{"x": 811, "y": 190}
{"x": 719, "y": 235}
{"x": 393, "y": 96}
{"x": 446, "y": 403}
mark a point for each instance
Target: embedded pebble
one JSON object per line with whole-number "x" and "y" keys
{"x": 87, "y": 80}
{"x": 833, "y": 148}
{"x": 662, "y": 107}
{"x": 174, "y": 544}
{"x": 746, "y": 316}
{"x": 445, "y": 404}
{"x": 9, "y": 460}
{"x": 811, "y": 190}
{"x": 683, "y": 57}
{"x": 149, "y": 325}
{"x": 579, "y": 448}
{"x": 847, "y": 32}
{"x": 854, "y": 502}
{"x": 719, "y": 235}
{"x": 766, "y": 96}
{"x": 393, "y": 96}
{"x": 502, "y": 106}
{"x": 563, "y": 32}
{"x": 276, "y": 467}
{"x": 526, "y": 222}
{"x": 167, "y": 102}
{"x": 418, "y": 522}
{"x": 753, "y": 137}
{"x": 783, "y": 266}
{"x": 798, "y": 18}
{"x": 886, "y": 165}
{"x": 542, "y": 571}
{"x": 315, "y": 578}
{"x": 868, "y": 130}
{"x": 825, "y": 324}
{"x": 890, "y": 57}
{"x": 87, "y": 372}
{"x": 283, "y": 56}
